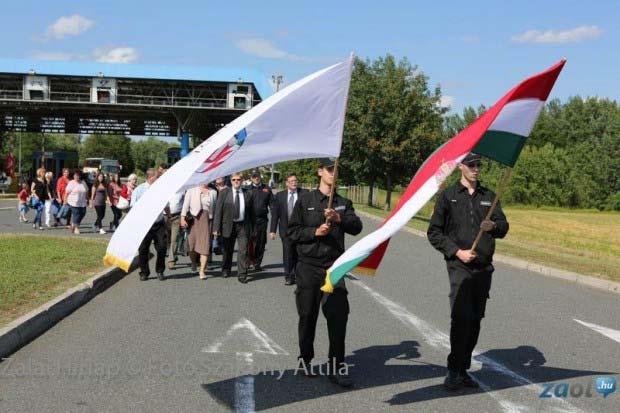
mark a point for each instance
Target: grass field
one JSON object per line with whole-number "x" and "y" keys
{"x": 35, "y": 269}
{"x": 586, "y": 242}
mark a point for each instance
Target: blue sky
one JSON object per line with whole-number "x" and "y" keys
{"x": 476, "y": 50}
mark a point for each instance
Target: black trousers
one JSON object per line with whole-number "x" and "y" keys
{"x": 240, "y": 235}
{"x": 308, "y": 297}
{"x": 116, "y": 213}
{"x": 469, "y": 291}
{"x": 100, "y": 209}
{"x": 289, "y": 257}
{"x": 156, "y": 234}
{"x": 260, "y": 240}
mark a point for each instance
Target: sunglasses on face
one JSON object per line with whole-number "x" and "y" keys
{"x": 473, "y": 165}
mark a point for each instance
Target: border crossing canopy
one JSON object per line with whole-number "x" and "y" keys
{"x": 102, "y": 98}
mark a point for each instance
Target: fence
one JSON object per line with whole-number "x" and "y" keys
{"x": 358, "y": 194}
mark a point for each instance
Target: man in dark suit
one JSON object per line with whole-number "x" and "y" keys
{"x": 263, "y": 202}
{"x": 233, "y": 219}
{"x": 284, "y": 201}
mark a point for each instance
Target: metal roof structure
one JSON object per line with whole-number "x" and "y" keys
{"x": 84, "y": 97}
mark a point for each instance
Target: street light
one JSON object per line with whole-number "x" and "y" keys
{"x": 277, "y": 81}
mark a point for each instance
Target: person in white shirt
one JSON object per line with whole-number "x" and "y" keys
{"x": 156, "y": 234}
{"x": 199, "y": 203}
{"x": 173, "y": 220}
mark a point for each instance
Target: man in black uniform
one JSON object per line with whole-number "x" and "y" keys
{"x": 263, "y": 199}
{"x": 459, "y": 214}
{"x": 318, "y": 233}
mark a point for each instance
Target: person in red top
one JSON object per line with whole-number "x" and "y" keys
{"x": 23, "y": 196}
{"x": 114, "y": 192}
{"x": 61, "y": 185}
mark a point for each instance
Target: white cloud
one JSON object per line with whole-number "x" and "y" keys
{"x": 116, "y": 55}
{"x": 103, "y": 55}
{"x": 69, "y": 26}
{"x": 265, "y": 49}
{"x": 61, "y": 56}
{"x": 446, "y": 101}
{"x": 577, "y": 34}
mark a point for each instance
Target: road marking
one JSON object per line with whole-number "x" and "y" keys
{"x": 438, "y": 339}
{"x": 262, "y": 342}
{"x": 6, "y": 208}
{"x": 606, "y": 331}
{"x": 244, "y": 394}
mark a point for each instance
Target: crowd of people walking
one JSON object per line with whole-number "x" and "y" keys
{"x": 70, "y": 196}
{"x": 207, "y": 220}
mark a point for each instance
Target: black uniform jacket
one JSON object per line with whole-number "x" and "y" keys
{"x": 308, "y": 215}
{"x": 263, "y": 199}
{"x": 456, "y": 222}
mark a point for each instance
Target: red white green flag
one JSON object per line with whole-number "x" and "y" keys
{"x": 499, "y": 134}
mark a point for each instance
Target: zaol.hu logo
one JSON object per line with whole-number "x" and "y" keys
{"x": 603, "y": 385}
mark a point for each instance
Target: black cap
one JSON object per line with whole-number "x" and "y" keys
{"x": 326, "y": 162}
{"x": 471, "y": 158}
{"x": 255, "y": 173}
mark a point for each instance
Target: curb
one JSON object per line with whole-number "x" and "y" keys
{"x": 22, "y": 331}
{"x": 581, "y": 279}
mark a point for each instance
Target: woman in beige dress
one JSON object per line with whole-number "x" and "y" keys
{"x": 199, "y": 203}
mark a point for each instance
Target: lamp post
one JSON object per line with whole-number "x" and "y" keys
{"x": 277, "y": 81}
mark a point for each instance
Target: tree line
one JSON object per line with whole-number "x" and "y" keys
{"x": 134, "y": 156}
{"x": 395, "y": 121}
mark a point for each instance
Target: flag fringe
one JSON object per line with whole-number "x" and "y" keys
{"x": 365, "y": 271}
{"x": 327, "y": 287}
{"x": 110, "y": 259}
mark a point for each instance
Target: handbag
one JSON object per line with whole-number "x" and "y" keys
{"x": 122, "y": 203}
{"x": 189, "y": 219}
{"x": 64, "y": 210}
{"x": 55, "y": 208}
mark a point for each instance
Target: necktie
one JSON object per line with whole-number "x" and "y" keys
{"x": 237, "y": 205}
{"x": 291, "y": 203}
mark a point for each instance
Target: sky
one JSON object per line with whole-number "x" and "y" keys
{"x": 475, "y": 50}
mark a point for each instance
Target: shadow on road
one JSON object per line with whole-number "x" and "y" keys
{"x": 392, "y": 364}
{"x": 373, "y": 366}
{"x": 526, "y": 361}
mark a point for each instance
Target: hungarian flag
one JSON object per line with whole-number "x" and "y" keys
{"x": 499, "y": 134}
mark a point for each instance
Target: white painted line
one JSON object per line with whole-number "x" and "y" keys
{"x": 244, "y": 394}
{"x": 7, "y": 208}
{"x": 261, "y": 341}
{"x": 438, "y": 339}
{"x": 606, "y": 331}
{"x": 244, "y": 388}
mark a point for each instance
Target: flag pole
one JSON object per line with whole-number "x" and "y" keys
{"x": 330, "y": 202}
{"x": 502, "y": 186}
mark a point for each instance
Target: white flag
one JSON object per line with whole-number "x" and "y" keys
{"x": 304, "y": 120}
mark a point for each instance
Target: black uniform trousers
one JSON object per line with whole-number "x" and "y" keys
{"x": 308, "y": 297}
{"x": 289, "y": 257}
{"x": 469, "y": 291}
{"x": 156, "y": 234}
{"x": 260, "y": 240}
{"x": 238, "y": 234}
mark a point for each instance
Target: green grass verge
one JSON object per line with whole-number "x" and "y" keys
{"x": 583, "y": 241}
{"x": 35, "y": 269}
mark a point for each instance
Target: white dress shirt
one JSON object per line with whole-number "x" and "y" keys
{"x": 241, "y": 203}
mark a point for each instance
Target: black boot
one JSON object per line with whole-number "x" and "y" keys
{"x": 452, "y": 381}
{"x": 467, "y": 380}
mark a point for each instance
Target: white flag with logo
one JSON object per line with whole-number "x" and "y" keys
{"x": 304, "y": 120}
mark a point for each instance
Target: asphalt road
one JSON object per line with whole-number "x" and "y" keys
{"x": 217, "y": 345}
